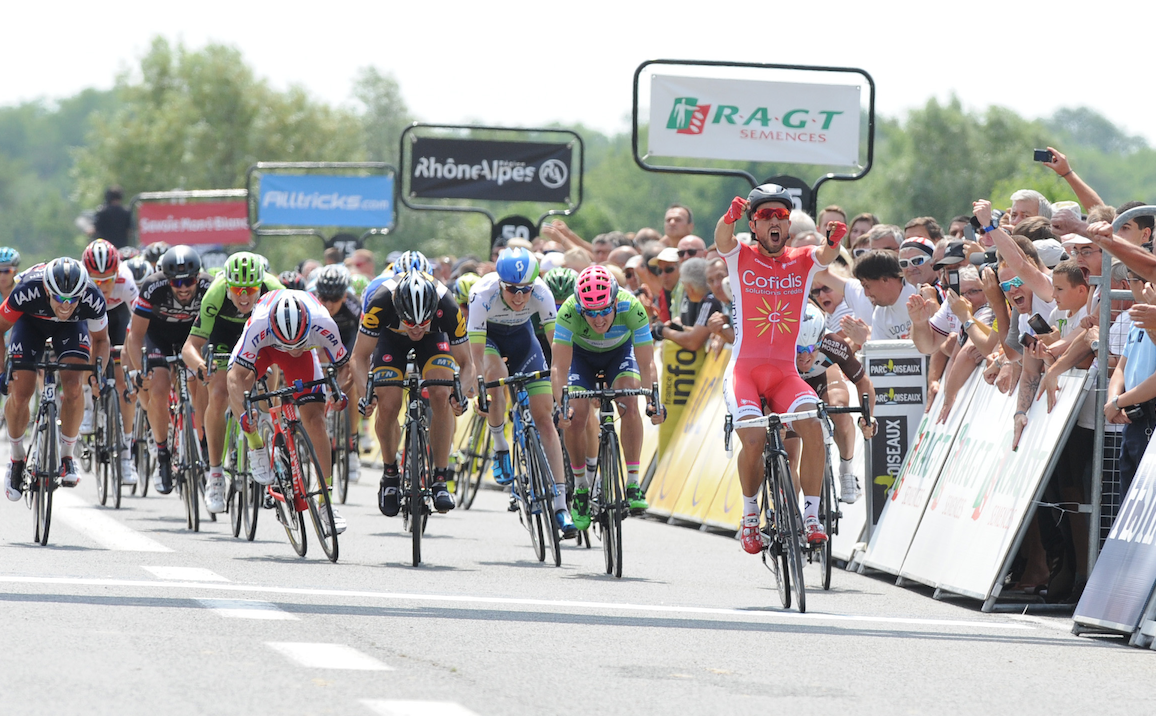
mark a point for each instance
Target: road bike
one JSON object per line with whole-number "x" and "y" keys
{"x": 829, "y": 511}
{"x": 416, "y": 493}
{"x": 608, "y": 503}
{"x": 343, "y": 446}
{"x": 144, "y": 450}
{"x": 101, "y": 449}
{"x": 298, "y": 483}
{"x": 188, "y": 464}
{"x": 533, "y": 485}
{"x": 470, "y": 459}
{"x": 779, "y": 505}
{"x": 44, "y": 468}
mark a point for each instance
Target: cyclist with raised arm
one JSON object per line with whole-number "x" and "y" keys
{"x": 115, "y": 281}
{"x": 286, "y": 329}
{"x": 771, "y": 282}
{"x": 415, "y": 312}
{"x": 224, "y": 309}
{"x": 51, "y": 301}
{"x": 816, "y": 352}
{"x": 168, "y": 304}
{"x": 501, "y": 304}
{"x": 602, "y": 329}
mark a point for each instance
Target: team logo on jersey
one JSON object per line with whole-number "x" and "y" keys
{"x": 370, "y": 320}
{"x": 774, "y": 317}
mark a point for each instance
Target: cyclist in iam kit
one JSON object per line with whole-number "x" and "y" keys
{"x": 771, "y": 282}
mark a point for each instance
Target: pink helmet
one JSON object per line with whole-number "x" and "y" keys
{"x": 596, "y": 288}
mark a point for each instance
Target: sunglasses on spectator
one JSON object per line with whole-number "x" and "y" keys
{"x": 684, "y": 253}
{"x": 658, "y": 270}
{"x": 629, "y": 273}
{"x": 973, "y": 291}
{"x": 800, "y": 350}
{"x": 518, "y": 288}
{"x": 183, "y": 282}
{"x": 597, "y": 314}
{"x": 856, "y": 253}
{"x": 1084, "y": 252}
{"x": 917, "y": 261}
{"x": 243, "y": 290}
{"x": 1009, "y": 285}
{"x": 818, "y": 290}
{"x": 767, "y": 213}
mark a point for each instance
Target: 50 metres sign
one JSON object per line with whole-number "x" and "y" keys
{"x": 748, "y": 120}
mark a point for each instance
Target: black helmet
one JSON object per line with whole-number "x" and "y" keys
{"x": 332, "y": 282}
{"x": 154, "y": 251}
{"x": 293, "y": 280}
{"x": 64, "y": 278}
{"x": 415, "y": 298}
{"x": 763, "y": 193}
{"x": 180, "y": 262}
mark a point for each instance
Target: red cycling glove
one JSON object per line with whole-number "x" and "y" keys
{"x": 247, "y": 424}
{"x": 835, "y": 233}
{"x": 738, "y": 206}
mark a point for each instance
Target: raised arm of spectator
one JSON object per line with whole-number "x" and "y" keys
{"x": 1029, "y": 384}
{"x": 1015, "y": 258}
{"x": 1084, "y": 193}
{"x": 1076, "y": 354}
{"x": 1138, "y": 259}
{"x": 557, "y": 230}
{"x": 920, "y": 310}
{"x": 998, "y": 303}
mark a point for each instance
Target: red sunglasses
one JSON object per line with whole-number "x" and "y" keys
{"x": 767, "y": 213}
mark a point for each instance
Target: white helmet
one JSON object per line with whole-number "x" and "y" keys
{"x": 813, "y": 327}
{"x": 411, "y": 261}
{"x": 291, "y": 319}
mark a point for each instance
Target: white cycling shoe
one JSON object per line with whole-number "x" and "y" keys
{"x": 849, "y": 490}
{"x": 215, "y": 495}
{"x": 127, "y": 468}
{"x": 259, "y": 466}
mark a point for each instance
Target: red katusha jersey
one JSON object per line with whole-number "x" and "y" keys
{"x": 770, "y": 298}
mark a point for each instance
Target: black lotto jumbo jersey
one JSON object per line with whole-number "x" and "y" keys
{"x": 380, "y": 313}
{"x": 159, "y": 304}
{"x": 29, "y": 297}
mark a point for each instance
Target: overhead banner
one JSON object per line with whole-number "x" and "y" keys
{"x": 904, "y": 505}
{"x": 986, "y": 490}
{"x": 490, "y": 170}
{"x": 753, "y": 121}
{"x": 1121, "y": 583}
{"x": 321, "y": 200}
{"x": 215, "y": 222}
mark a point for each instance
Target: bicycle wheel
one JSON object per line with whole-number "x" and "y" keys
{"x": 471, "y": 458}
{"x": 94, "y": 456}
{"x": 316, "y": 493}
{"x": 253, "y": 494}
{"x": 287, "y": 514}
{"x": 414, "y": 502}
{"x": 774, "y": 558}
{"x": 46, "y": 476}
{"x": 792, "y": 533}
{"x": 610, "y": 475}
{"x": 543, "y": 483}
{"x": 190, "y": 449}
{"x": 827, "y": 511}
{"x": 230, "y": 465}
{"x": 142, "y": 457}
{"x": 525, "y": 491}
{"x": 341, "y": 456}
{"x": 114, "y": 431}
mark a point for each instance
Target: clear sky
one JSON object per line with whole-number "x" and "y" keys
{"x": 532, "y": 63}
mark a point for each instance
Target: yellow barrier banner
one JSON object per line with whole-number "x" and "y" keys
{"x": 706, "y": 472}
{"x": 686, "y": 438}
{"x": 680, "y": 371}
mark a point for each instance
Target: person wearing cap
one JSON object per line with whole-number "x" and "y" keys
{"x": 915, "y": 259}
{"x": 633, "y": 273}
{"x": 665, "y": 267}
{"x": 968, "y": 308}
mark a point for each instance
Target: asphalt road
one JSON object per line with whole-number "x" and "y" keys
{"x": 126, "y": 612}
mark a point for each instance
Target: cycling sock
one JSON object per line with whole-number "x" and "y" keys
{"x": 631, "y": 473}
{"x": 67, "y": 445}
{"x": 498, "y": 435}
{"x": 559, "y": 497}
{"x": 750, "y": 505}
{"x": 442, "y": 475}
{"x": 591, "y": 469}
{"x": 254, "y": 440}
{"x": 17, "y": 447}
{"x": 845, "y": 466}
{"x": 810, "y": 507}
{"x": 162, "y": 447}
{"x": 389, "y": 471}
{"x": 216, "y": 471}
{"x": 579, "y": 472}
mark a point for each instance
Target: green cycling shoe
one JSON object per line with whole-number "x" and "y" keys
{"x": 581, "y": 511}
{"x": 636, "y": 499}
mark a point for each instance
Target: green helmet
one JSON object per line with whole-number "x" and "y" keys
{"x": 561, "y": 283}
{"x": 244, "y": 269}
{"x": 465, "y": 282}
{"x": 358, "y": 282}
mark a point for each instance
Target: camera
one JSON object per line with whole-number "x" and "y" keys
{"x": 1044, "y": 155}
{"x": 1039, "y": 325}
{"x": 1135, "y": 413}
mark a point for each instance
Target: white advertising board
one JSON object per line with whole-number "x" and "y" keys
{"x": 750, "y": 120}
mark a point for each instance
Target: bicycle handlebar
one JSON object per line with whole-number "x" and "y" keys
{"x": 611, "y": 394}
{"x": 516, "y": 379}
{"x": 422, "y": 383}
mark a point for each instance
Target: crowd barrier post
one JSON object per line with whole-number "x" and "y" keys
{"x": 899, "y": 372}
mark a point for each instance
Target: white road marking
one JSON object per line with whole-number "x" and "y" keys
{"x": 386, "y": 707}
{"x": 247, "y": 609}
{"x": 99, "y": 527}
{"x": 185, "y": 574}
{"x": 327, "y": 656}
{"x": 741, "y": 615}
